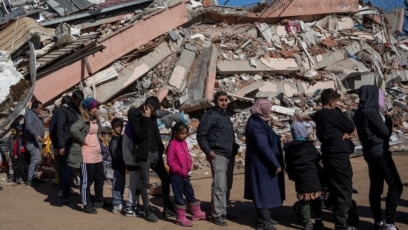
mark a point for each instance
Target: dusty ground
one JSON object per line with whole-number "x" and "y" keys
{"x": 23, "y": 207}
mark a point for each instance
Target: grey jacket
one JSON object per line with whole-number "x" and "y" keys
{"x": 34, "y": 127}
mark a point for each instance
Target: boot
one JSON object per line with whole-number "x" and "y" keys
{"x": 181, "y": 217}
{"x": 196, "y": 211}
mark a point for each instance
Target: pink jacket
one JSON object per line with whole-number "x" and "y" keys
{"x": 178, "y": 158}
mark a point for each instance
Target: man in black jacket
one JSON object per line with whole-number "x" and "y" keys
{"x": 374, "y": 131}
{"x": 216, "y": 138}
{"x": 333, "y": 129}
{"x": 148, "y": 150}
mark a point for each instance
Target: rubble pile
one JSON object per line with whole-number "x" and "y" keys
{"x": 182, "y": 52}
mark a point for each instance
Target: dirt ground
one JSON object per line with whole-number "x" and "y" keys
{"x": 24, "y": 207}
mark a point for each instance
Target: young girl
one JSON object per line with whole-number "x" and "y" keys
{"x": 179, "y": 162}
{"x": 302, "y": 164}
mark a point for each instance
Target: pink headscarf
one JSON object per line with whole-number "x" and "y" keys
{"x": 262, "y": 107}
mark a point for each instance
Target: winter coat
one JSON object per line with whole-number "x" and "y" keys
{"x": 331, "y": 125}
{"x": 178, "y": 158}
{"x": 34, "y": 127}
{"x": 263, "y": 156}
{"x": 215, "y": 133}
{"x": 65, "y": 118}
{"x": 373, "y": 130}
{"x": 115, "y": 148}
{"x": 302, "y": 165}
{"x": 141, "y": 129}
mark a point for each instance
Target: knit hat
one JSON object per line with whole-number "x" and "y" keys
{"x": 90, "y": 103}
{"x": 262, "y": 107}
{"x": 298, "y": 130}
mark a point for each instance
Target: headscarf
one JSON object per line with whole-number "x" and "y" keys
{"x": 298, "y": 131}
{"x": 262, "y": 107}
{"x": 90, "y": 103}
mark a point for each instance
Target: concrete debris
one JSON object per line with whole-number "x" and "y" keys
{"x": 262, "y": 51}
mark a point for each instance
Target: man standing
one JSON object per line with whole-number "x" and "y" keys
{"x": 333, "y": 129}
{"x": 216, "y": 138}
{"x": 34, "y": 134}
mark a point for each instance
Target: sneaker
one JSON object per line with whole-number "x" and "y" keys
{"x": 19, "y": 180}
{"x": 308, "y": 226}
{"x": 90, "y": 209}
{"x": 138, "y": 211}
{"x": 98, "y": 204}
{"x": 32, "y": 184}
{"x": 129, "y": 211}
{"x": 378, "y": 225}
{"x": 150, "y": 216}
{"x": 117, "y": 209}
{"x": 386, "y": 226}
{"x": 167, "y": 212}
{"x": 219, "y": 221}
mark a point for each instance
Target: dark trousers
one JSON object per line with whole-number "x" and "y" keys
{"x": 155, "y": 162}
{"x": 309, "y": 209}
{"x": 340, "y": 174}
{"x": 91, "y": 173}
{"x": 382, "y": 169}
{"x": 182, "y": 186}
{"x": 264, "y": 217}
{"x": 66, "y": 177}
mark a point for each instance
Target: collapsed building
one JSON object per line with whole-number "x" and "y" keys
{"x": 182, "y": 51}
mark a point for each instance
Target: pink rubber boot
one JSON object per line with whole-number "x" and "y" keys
{"x": 196, "y": 211}
{"x": 181, "y": 217}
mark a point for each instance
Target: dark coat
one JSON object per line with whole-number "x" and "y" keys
{"x": 263, "y": 156}
{"x": 115, "y": 148}
{"x": 141, "y": 128}
{"x": 302, "y": 165}
{"x": 373, "y": 131}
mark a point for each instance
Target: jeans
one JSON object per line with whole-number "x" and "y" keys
{"x": 118, "y": 186}
{"x": 134, "y": 188}
{"x": 219, "y": 187}
{"x": 155, "y": 162}
{"x": 35, "y": 158}
{"x": 182, "y": 186}
{"x": 382, "y": 169}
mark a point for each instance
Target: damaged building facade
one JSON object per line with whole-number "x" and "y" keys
{"x": 121, "y": 51}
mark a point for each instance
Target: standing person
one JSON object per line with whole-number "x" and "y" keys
{"x": 264, "y": 179}
{"x": 302, "y": 165}
{"x": 66, "y": 117}
{"x": 148, "y": 150}
{"x": 216, "y": 138}
{"x": 86, "y": 151}
{"x": 374, "y": 131}
{"x": 333, "y": 129}
{"x": 16, "y": 149}
{"x": 118, "y": 166}
{"x": 179, "y": 162}
{"x": 34, "y": 134}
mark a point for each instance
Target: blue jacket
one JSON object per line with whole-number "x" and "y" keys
{"x": 263, "y": 156}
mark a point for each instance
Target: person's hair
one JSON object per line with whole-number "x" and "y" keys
{"x": 219, "y": 94}
{"x": 35, "y": 104}
{"x": 77, "y": 95}
{"x": 117, "y": 122}
{"x": 153, "y": 102}
{"x": 66, "y": 100}
{"x": 328, "y": 95}
{"x": 178, "y": 128}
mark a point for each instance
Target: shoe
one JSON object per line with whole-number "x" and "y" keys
{"x": 266, "y": 226}
{"x": 219, "y": 221}
{"x": 378, "y": 225}
{"x": 19, "y": 180}
{"x": 128, "y": 211}
{"x": 138, "y": 211}
{"x": 230, "y": 216}
{"x": 32, "y": 184}
{"x": 10, "y": 178}
{"x": 98, "y": 204}
{"x": 169, "y": 212}
{"x": 308, "y": 226}
{"x": 150, "y": 216}
{"x": 351, "y": 228}
{"x": 273, "y": 222}
{"x": 318, "y": 225}
{"x": 386, "y": 226}
{"x": 117, "y": 209}
{"x": 90, "y": 209}
{"x": 60, "y": 194}
{"x": 66, "y": 200}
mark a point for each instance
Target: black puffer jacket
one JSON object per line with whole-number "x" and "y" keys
{"x": 374, "y": 130}
{"x": 216, "y": 133}
{"x": 302, "y": 165}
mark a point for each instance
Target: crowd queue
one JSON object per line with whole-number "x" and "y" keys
{"x": 136, "y": 148}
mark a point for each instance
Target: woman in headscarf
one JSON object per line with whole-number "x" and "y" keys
{"x": 264, "y": 181}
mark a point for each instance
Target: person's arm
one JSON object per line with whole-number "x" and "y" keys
{"x": 344, "y": 123}
{"x": 261, "y": 141}
{"x": 140, "y": 125}
{"x": 172, "y": 160}
{"x": 29, "y": 124}
{"x": 202, "y": 132}
{"x": 76, "y": 131}
{"x": 378, "y": 125}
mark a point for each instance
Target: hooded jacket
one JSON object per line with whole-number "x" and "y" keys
{"x": 373, "y": 129}
{"x": 331, "y": 125}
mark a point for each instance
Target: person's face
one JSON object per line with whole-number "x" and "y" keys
{"x": 181, "y": 136}
{"x": 38, "y": 110}
{"x": 93, "y": 111}
{"x": 333, "y": 103}
{"x": 117, "y": 130}
{"x": 76, "y": 103}
{"x": 222, "y": 102}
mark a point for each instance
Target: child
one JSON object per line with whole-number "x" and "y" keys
{"x": 118, "y": 165}
{"x": 179, "y": 162}
{"x": 302, "y": 164}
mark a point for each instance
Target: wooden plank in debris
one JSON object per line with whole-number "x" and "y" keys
{"x": 133, "y": 72}
{"x": 196, "y": 98}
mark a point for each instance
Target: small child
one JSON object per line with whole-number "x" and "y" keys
{"x": 16, "y": 151}
{"x": 179, "y": 162}
{"x": 118, "y": 165}
{"x": 302, "y": 165}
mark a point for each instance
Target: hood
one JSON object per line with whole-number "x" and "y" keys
{"x": 368, "y": 97}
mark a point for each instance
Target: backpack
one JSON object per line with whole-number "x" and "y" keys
{"x": 128, "y": 146}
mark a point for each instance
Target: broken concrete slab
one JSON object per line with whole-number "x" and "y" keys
{"x": 180, "y": 72}
{"x": 267, "y": 65}
{"x": 348, "y": 67}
